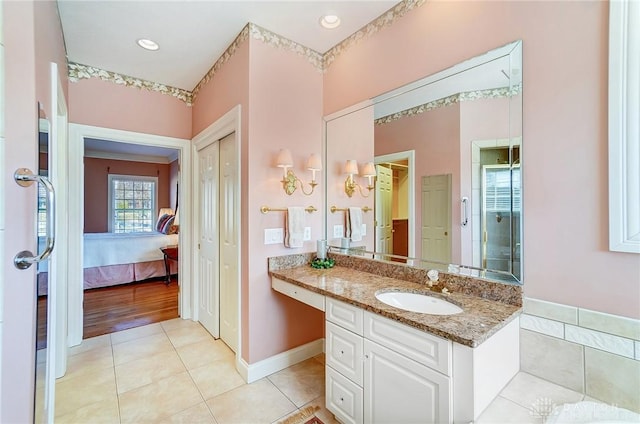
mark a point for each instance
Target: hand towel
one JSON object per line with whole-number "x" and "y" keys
{"x": 354, "y": 221}
{"x": 294, "y": 227}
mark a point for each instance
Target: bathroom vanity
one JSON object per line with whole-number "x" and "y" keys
{"x": 385, "y": 364}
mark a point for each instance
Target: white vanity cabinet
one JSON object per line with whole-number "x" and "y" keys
{"x": 382, "y": 371}
{"x": 379, "y": 371}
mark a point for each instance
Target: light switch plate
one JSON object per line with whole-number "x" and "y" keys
{"x": 273, "y": 235}
{"x": 307, "y": 234}
{"x": 338, "y": 231}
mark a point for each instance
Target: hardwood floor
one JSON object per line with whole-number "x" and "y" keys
{"x": 111, "y": 309}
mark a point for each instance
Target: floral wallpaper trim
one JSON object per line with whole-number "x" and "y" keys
{"x": 319, "y": 61}
{"x": 78, "y": 71}
{"x": 224, "y": 58}
{"x": 384, "y": 20}
{"x": 256, "y": 32}
{"x": 494, "y": 93}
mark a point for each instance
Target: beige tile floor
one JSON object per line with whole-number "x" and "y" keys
{"x": 175, "y": 372}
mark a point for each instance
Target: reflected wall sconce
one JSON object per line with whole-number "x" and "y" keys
{"x": 289, "y": 178}
{"x": 350, "y": 185}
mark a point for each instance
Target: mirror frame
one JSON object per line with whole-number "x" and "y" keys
{"x": 394, "y": 98}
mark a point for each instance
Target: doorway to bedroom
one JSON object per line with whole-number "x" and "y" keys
{"x": 128, "y": 220}
{"x": 131, "y": 225}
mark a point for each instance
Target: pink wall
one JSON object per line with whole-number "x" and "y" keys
{"x": 434, "y": 135}
{"x": 96, "y": 187}
{"x": 565, "y": 114}
{"x": 349, "y": 137}
{"x": 230, "y": 87}
{"x": 105, "y": 104}
{"x": 285, "y": 111}
{"x": 31, "y": 30}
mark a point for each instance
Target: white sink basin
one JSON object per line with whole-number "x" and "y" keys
{"x": 416, "y": 302}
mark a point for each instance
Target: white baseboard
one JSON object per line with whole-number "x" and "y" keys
{"x": 260, "y": 369}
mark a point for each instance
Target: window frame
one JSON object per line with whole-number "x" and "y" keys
{"x": 111, "y": 209}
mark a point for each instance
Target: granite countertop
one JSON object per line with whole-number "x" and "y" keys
{"x": 479, "y": 320}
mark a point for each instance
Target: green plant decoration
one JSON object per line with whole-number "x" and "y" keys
{"x": 322, "y": 263}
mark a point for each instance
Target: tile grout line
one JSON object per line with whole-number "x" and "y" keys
{"x": 283, "y": 394}
{"x": 191, "y": 376}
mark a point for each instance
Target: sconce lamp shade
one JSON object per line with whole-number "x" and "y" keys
{"x": 314, "y": 163}
{"x": 284, "y": 159}
{"x": 369, "y": 170}
{"x": 351, "y": 167}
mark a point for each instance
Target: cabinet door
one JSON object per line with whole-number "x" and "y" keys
{"x": 399, "y": 390}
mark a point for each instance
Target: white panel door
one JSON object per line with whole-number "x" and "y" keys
{"x": 229, "y": 236}
{"x": 401, "y": 391}
{"x": 208, "y": 274}
{"x": 436, "y": 218}
{"x": 384, "y": 207}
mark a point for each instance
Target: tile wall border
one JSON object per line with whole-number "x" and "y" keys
{"x": 617, "y": 334}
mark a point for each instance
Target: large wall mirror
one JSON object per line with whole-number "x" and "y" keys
{"x": 446, "y": 151}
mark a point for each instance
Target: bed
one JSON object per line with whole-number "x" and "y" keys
{"x": 110, "y": 259}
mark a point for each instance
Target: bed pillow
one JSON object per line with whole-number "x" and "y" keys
{"x": 162, "y": 221}
{"x": 167, "y": 225}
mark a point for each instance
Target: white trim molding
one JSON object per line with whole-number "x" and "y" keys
{"x": 624, "y": 128}
{"x": 268, "y": 366}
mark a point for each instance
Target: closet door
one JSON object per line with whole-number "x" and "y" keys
{"x": 229, "y": 236}
{"x": 208, "y": 254}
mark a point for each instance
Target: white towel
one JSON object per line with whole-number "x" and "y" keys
{"x": 294, "y": 227}
{"x": 354, "y": 223}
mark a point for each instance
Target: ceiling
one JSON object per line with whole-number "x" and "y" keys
{"x": 193, "y": 34}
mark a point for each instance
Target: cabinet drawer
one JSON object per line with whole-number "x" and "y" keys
{"x": 345, "y": 315}
{"x": 429, "y": 350}
{"x": 344, "y": 352}
{"x": 343, "y": 397}
{"x": 301, "y": 294}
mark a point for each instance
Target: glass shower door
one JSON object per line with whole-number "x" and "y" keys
{"x": 501, "y": 218}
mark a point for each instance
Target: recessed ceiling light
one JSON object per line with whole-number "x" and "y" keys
{"x": 148, "y": 44}
{"x": 330, "y": 21}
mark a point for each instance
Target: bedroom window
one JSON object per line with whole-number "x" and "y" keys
{"x": 132, "y": 203}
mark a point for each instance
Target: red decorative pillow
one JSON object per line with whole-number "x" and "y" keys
{"x": 162, "y": 221}
{"x": 167, "y": 225}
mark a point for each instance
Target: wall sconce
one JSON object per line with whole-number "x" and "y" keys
{"x": 289, "y": 178}
{"x": 351, "y": 168}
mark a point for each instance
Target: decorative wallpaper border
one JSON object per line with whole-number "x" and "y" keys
{"x": 78, "y": 71}
{"x": 230, "y": 51}
{"x": 256, "y": 32}
{"x": 494, "y": 93}
{"x": 384, "y": 20}
{"x": 320, "y": 61}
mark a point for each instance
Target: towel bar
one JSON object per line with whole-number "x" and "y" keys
{"x": 265, "y": 209}
{"x": 335, "y": 209}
